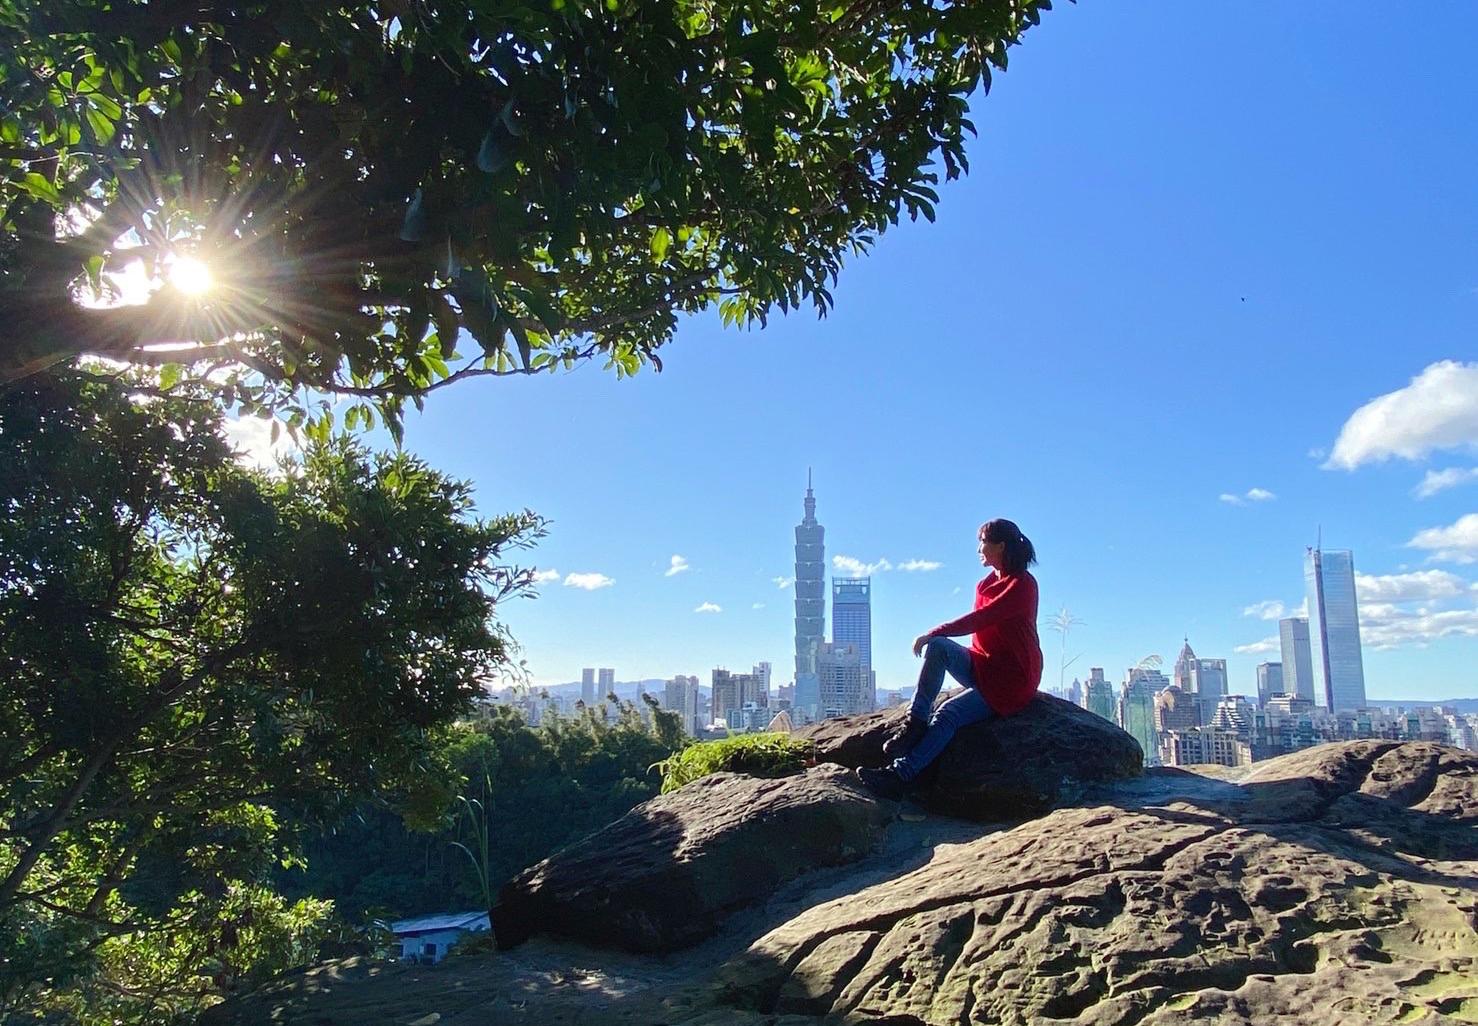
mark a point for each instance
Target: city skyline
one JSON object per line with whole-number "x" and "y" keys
{"x": 1334, "y": 689}
{"x": 1225, "y": 319}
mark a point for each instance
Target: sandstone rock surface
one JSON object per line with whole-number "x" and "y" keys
{"x": 1338, "y": 885}
{"x": 1333, "y": 885}
{"x": 666, "y": 874}
{"x": 1003, "y": 769}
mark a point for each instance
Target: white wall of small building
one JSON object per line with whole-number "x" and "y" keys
{"x": 415, "y": 947}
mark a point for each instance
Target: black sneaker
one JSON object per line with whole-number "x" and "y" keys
{"x": 902, "y": 742}
{"x": 884, "y": 783}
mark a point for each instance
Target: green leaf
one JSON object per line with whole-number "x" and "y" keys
{"x": 480, "y": 310}
{"x": 102, "y": 128}
{"x": 661, "y": 242}
{"x": 40, "y": 187}
{"x": 540, "y": 306}
{"x": 521, "y": 337}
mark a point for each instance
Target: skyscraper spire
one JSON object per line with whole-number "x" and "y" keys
{"x": 810, "y": 598}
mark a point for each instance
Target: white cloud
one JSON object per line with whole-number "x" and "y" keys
{"x": 251, "y": 437}
{"x": 783, "y": 582}
{"x": 709, "y": 607}
{"x": 1457, "y": 543}
{"x": 1440, "y": 480}
{"x": 679, "y": 564}
{"x": 1438, "y": 410}
{"x": 1260, "y": 647}
{"x": 758, "y": 605}
{"x": 1269, "y": 609}
{"x": 1419, "y": 586}
{"x": 919, "y": 565}
{"x": 541, "y": 576}
{"x": 1389, "y": 626}
{"x": 590, "y": 582}
{"x": 1251, "y": 495}
{"x": 857, "y": 568}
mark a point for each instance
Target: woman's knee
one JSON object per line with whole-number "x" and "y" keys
{"x": 961, "y": 711}
{"x": 937, "y": 649}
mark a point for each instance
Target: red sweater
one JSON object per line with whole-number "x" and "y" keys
{"x": 1004, "y": 651}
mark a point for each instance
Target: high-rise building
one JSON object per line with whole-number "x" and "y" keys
{"x": 1202, "y": 745}
{"x": 681, "y": 696}
{"x": 1101, "y": 700}
{"x": 845, "y": 689}
{"x": 726, "y": 702}
{"x": 1298, "y": 663}
{"x": 1234, "y": 713}
{"x": 1269, "y": 682}
{"x": 732, "y": 692}
{"x": 762, "y": 674}
{"x": 587, "y": 687}
{"x": 810, "y": 606}
{"x": 1095, "y": 676}
{"x": 851, "y": 622}
{"x": 1209, "y": 682}
{"x": 1184, "y": 664}
{"x": 1176, "y": 709}
{"x": 1137, "y": 714}
{"x": 1334, "y": 628}
{"x": 1156, "y": 680}
{"x": 1206, "y": 679}
{"x": 607, "y": 683}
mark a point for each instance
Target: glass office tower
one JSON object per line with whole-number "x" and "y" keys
{"x": 1298, "y": 661}
{"x": 1334, "y": 628}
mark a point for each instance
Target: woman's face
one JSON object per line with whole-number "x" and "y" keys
{"x": 992, "y": 554}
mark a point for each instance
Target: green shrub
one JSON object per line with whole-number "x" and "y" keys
{"x": 759, "y": 755}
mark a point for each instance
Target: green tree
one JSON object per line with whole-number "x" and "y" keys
{"x": 374, "y": 184}
{"x": 539, "y": 789}
{"x": 198, "y": 659}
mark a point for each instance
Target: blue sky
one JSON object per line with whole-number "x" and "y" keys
{"x": 1196, "y": 239}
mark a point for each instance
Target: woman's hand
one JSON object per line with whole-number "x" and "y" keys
{"x": 920, "y": 642}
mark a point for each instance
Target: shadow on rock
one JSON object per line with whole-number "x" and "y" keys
{"x": 1001, "y": 770}
{"x": 665, "y": 875}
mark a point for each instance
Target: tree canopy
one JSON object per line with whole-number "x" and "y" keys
{"x": 196, "y": 656}
{"x": 397, "y": 195}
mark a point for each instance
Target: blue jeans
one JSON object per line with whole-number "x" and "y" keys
{"x": 941, "y": 655}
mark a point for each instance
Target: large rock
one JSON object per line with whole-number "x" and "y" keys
{"x": 1008, "y": 768}
{"x": 1334, "y": 885}
{"x": 1337, "y": 885}
{"x": 666, "y": 874}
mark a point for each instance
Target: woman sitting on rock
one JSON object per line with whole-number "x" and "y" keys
{"x": 1000, "y": 670}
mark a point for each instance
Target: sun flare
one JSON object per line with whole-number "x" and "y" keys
{"x": 190, "y": 276}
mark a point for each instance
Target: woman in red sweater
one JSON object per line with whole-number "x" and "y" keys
{"x": 1000, "y": 670}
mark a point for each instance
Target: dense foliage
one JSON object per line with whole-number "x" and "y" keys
{"x": 758, "y": 755}
{"x": 542, "y": 787}
{"x": 197, "y": 659}
{"x": 373, "y": 184}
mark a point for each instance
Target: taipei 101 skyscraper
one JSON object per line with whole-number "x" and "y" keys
{"x": 810, "y": 604}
